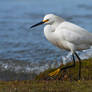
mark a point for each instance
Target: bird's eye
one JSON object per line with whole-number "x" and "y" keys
{"x": 47, "y": 19}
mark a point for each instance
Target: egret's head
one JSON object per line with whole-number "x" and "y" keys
{"x": 48, "y": 19}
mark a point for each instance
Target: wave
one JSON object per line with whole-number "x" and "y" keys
{"x": 23, "y": 70}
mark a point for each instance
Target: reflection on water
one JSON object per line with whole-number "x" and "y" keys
{"x": 18, "y": 42}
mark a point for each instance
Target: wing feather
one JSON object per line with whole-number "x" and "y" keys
{"x": 75, "y": 34}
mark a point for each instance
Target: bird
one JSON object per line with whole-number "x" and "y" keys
{"x": 66, "y": 35}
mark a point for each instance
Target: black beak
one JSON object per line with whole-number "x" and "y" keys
{"x": 37, "y": 24}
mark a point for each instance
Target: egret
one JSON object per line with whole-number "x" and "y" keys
{"x": 66, "y": 35}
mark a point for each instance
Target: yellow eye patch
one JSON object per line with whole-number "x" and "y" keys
{"x": 45, "y": 20}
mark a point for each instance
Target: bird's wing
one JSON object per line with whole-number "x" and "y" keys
{"x": 75, "y": 34}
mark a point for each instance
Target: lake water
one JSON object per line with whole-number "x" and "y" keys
{"x": 25, "y": 50}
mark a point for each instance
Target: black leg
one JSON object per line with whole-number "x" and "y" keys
{"x": 79, "y": 76}
{"x": 73, "y": 65}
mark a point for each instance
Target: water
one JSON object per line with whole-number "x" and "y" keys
{"x": 19, "y": 44}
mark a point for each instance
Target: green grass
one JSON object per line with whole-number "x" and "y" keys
{"x": 66, "y": 81}
{"x": 46, "y": 86}
{"x": 70, "y": 74}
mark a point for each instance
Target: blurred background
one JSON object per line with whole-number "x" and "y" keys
{"x": 26, "y": 52}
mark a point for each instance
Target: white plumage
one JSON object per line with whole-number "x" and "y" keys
{"x": 66, "y": 35}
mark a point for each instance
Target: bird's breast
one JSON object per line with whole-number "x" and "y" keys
{"x": 54, "y": 38}
{"x": 50, "y": 37}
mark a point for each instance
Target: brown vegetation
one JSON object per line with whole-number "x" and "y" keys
{"x": 66, "y": 82}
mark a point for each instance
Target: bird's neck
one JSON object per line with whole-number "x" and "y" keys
{"x": 55, "y": 25}
{"x": 57, "y": 22}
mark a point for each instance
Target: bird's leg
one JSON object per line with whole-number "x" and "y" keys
{"x": 73, "y": 65}
{"x": 64, "y": 68}
{"x": 79, "y": 75}
{"x": 54, "y": 73}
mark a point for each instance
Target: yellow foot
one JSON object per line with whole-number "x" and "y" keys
{"x": 54, "y": 73}
{"x": 78, "y": 81}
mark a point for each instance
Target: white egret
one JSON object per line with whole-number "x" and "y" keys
{"x": 66, "y": 35}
